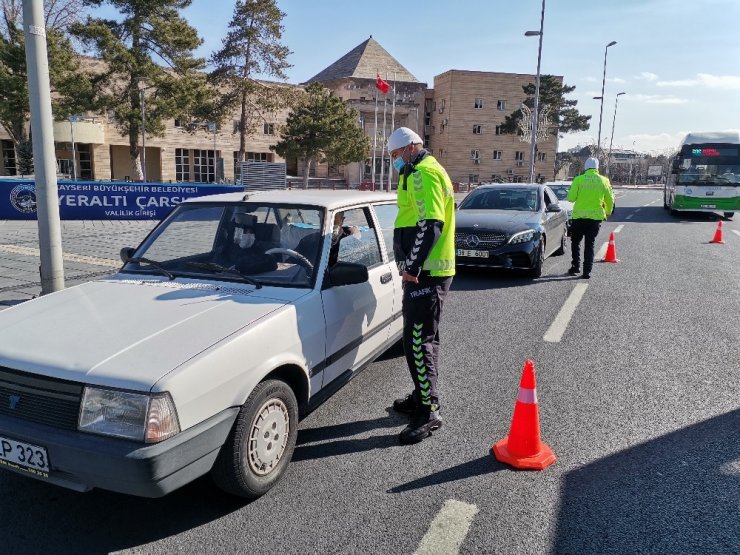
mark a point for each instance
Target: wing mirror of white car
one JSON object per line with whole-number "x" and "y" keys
{"x": 554, "y": 207}
{"x": 126, "y": 253}
{"x": 347, "y": 273}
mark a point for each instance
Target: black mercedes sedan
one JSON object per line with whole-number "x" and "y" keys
{"x": 510, "y": 225}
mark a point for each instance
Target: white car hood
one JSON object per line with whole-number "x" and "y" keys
{"x": 126, "y": 332}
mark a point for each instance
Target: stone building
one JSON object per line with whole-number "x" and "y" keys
{"x": 458, "y": 119}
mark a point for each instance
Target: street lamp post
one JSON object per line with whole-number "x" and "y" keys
{"x": 535, "y": 113}
{"x": 142, "y": 88}
{"x": 611, "y": 141}
{"x": 72, "y": 121}
{"x": 603, "y": 82}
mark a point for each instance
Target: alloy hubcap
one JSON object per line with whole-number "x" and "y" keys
{"x": 268, "y": 437}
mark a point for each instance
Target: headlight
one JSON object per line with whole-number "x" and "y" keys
{"x": 137, "y": 416}
{"x": 522, "y": 236}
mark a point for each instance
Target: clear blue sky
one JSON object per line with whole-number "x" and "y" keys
{"x": 677, "y": 60}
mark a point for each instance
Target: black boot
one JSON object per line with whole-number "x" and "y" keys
{"x": 407, "y": 405}
{"x": 425, "y": 420}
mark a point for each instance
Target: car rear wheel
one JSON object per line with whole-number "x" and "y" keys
{"x": 261, "y": 444}
{"x": 536, "y": 270}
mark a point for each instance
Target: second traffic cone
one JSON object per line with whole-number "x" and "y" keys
{"x": 522, "y": 448}
{"x": 718, "y": 234}
{"x": 611, "y": 250}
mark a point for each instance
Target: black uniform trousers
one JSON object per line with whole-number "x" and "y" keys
{"x": 583, "y": 228}
{"x": 422, "y": 308}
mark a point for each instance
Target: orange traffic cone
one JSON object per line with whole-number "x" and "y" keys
{"x": 522, "y": 448}
{"x": 611, "y": 250}
{"x": 718, "y": 234}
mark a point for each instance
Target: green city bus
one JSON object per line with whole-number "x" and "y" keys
{"x": 705, "y": 175}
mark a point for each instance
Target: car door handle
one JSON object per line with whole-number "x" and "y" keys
{"x": 385, "y": 278}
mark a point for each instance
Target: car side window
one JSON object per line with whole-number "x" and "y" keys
{"x": 386, "y": 214}
{"x": 357, "y": 238}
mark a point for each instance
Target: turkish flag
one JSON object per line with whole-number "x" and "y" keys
{"x": 383, "y": 86}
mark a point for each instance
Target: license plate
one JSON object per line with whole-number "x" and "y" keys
{"x": 25, "y": 456}
{"x": 471, "y": 254}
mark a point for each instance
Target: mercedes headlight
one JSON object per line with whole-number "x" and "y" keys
{"x": 150, "y": 418}
{"x": 522, "y": 236}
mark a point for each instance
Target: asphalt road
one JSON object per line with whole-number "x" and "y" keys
{"x": 639, "y": 400}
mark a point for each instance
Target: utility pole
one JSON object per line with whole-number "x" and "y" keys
{"x": 44, "y": 158}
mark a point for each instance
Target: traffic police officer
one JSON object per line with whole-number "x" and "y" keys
{"x": 593, "y": 201}
{"x": 424, "y": 247}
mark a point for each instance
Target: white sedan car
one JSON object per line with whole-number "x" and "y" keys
{"x": 238, "y": 314}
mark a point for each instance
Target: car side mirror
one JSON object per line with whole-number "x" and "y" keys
{"x": 455, "y": 206}
{"x": 126, "y": 253}
{"x": 347, "y": 273}
{"x": 554, "y": 207}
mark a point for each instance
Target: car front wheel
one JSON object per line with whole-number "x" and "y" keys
{"x": 536, "y": 270}
{"x": 261, "y": 444}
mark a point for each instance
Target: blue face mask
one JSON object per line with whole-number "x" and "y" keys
{"x": 399, "y": 163}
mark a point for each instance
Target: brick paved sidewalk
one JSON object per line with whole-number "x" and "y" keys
{"x": 90, "y": 250}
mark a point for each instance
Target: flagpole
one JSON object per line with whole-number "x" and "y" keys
{"x": 375, "y": 137}
{"x": 393, "y": 126}
{"x": 382, "y": 147}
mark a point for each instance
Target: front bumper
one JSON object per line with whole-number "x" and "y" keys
{"x": 82, "y": 461}
{"x": 518, "y": 256}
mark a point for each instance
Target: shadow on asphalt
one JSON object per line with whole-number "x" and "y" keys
{"x": 483, "y": 279}
{"x": 659, "y": 215}
{"x": 321, "y": 448}
{"x": 484, "y": 465}
{"x": 101, "y": 522}
{"x": 663, "y": 496}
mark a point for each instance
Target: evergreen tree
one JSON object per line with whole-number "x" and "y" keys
{"x": 150, "y": 35}
{"x": 252, "y": 47}
{"x": 321, "y": 128}
{"x": 563, "y": 115}
{"x": 70, "y": 89}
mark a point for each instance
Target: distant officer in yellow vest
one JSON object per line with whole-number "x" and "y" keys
{"x": 424, "y": 247}
{"x": 593, "y": 202}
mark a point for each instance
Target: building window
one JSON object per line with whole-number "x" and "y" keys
{"x": 442, "y": 105}
{"x": 542, "y": 156}
{"x": 496, "y": 178}
{"x": 237, "y": 126}
{"x": 498, "y": 154}
{"x": 498, "y": 130}
{"x": 477, "y": 129}
{"x": 501, "y": 105}
{"x": 204, "y": 165}
{"x": 182, "y": 164}
{"x": 9, "y": 158}
{"x": 178, "y": 123}
{"x": 475, "y": 156}
{"x": 478, "y": 104}
{"x": 269, "y": 128}
{"x": 84, "y": 170}
{"x": 473, "y": 178}
{"x": 519, "y": 155}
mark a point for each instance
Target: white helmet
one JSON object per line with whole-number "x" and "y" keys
{"x": 591, "y": 164}
{"x": 401, "y": 137}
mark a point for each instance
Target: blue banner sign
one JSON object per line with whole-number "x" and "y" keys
{"x": 94, "y": 200}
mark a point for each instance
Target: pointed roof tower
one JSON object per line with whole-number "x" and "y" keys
{"x": 363, "y": 62}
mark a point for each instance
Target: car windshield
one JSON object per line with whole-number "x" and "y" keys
{"x": 692, "y": 172}
{"x": 561, "y": 191}
{"x": 502, "y": 199}
{"x": 250, "y": 242}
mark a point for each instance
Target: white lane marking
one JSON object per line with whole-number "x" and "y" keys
{"x": 555, "y": 333}
{"x": 735, "y": 231}
{"x": 448, "y": 529}
{"x": 618, "y": 228}
{"x": 628, "y": 217}
{"x": 93, "y": 260}
{"x": 602, "y": 252}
